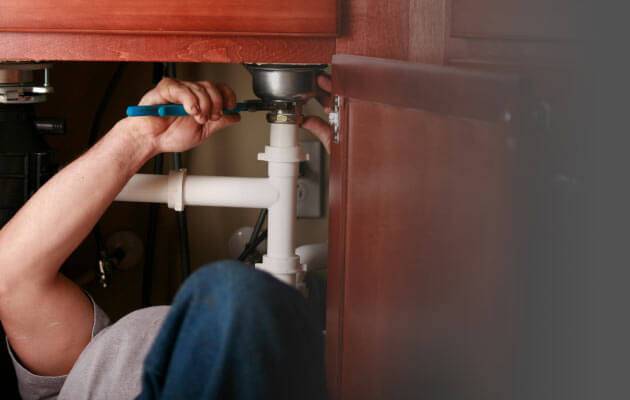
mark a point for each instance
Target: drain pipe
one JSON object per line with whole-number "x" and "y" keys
{"x": 277, "y": 193}
{"x": 283, "y": 156}
{"x": 178, "y": 190}
{"x": 283, "y": 89}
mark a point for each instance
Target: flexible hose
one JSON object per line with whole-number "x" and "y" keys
{"x": 262, "y": 216}
{"x": 158, "y": 167}
{"x": 182, "y": 225}
{"x": 251, "y": 247}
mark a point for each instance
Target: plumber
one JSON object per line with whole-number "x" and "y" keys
{"x": 232, "y": 332}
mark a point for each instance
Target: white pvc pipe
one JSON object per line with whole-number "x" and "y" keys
{"x": 221, "y": 191}
{"x": 145, "y": 188}
{"x": 313, "y": 256}
{"x": 278, "y": 193}
{"x": 283, "y": 135}
{"x": 283, "y": 176}
{"x": 282, "y": 215}
{"x": 283, "y": 157}
{"x": 202, "y": 191}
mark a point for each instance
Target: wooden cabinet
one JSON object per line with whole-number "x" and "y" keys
{"x": 440, "y": 197}
{"x": 297, "y": 31}
{"x": 229, "y": 17}
{"x": 447, "y": 118}
{"x": 422, "y": 260}
{"x": 512, "y": 19}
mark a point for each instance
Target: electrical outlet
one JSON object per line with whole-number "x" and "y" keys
{"x": 310, "y": 182}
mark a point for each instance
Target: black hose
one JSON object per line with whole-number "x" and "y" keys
{"x": 102, "y": 106}
{"x": 159, "y": 70}
{"x": 147, "y": 273}
{"x": 262, "y": 216}
{"x": 182, "y": 218}
{"x": 182, "y": 225}
{"x": 251, "y": 247}
{"x": 171, "y": 69}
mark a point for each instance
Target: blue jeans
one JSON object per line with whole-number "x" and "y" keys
{"x": 236, "y": 333}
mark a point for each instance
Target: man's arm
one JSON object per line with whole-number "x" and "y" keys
{"x": 47, "y": 318}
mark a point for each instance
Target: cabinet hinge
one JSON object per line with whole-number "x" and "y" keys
{"x": 334, "y": 118}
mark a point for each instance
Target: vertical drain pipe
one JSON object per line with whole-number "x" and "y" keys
{"x": 283, "y": 156}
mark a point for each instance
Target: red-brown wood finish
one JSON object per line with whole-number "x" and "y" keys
{"x": 378, "y": 345}
{"x": 17, "y": 46}
{"x": 412, "y": 30}
{"x": 512, "y": 19}
{"x": 421, "y": 273}
{"x": 233, "y": 17}
{"x": 269, "y": 31}
{"x": 336, "y": 256}
{"x": 466, "y": 93}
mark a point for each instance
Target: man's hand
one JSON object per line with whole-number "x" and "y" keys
{"x": 204, "y": 101}
{"x": 317, "y": 126}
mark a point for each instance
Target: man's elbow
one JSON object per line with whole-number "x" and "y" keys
{"x": 10, "y": 278}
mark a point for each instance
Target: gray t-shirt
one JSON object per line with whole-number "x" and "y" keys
{"x": 110, "y": 366}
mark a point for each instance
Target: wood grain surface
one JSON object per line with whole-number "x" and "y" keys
{"x": 422, "y": 264}
{"x": 512, "y": 19}
{"x": 411, "y": 30}
{"x": 337, "y": 191}
{"x": 452, "y": 91}
{"x": 15, "y": 46}
{"x": 293, "y": 17}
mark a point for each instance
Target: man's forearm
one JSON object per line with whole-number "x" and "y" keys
{"x": 59, "y": 216}
{"x": 47, "y": 318}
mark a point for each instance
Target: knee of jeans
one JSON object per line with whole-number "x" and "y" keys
{"x": 229, "y": 275}
{"x": 236, "y": 281}
{"x": 226, "y": 272}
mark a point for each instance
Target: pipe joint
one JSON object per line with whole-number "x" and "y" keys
{"x": 282, "y": 170}
{"x": 287, "y": 269}
{"x": 176, "y": 189}
{"x": 283, "y": 154}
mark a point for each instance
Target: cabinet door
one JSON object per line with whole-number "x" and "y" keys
{"x": 234, "y": 17}
{"x": 512, "y": 19}
{"x": 423, "y": 217}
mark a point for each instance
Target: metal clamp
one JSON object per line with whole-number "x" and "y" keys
{"x": 285, "y": 113}
{"x": 18, "y": 86}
